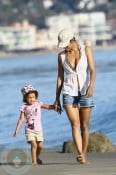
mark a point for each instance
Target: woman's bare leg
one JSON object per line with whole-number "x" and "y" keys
{"x": 73, "y": 115}
{"x": 84, "y": 119}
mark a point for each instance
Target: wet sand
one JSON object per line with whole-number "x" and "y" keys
{"x": 57, "y": 163}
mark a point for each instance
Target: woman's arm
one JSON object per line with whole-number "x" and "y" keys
{"x": 60, "y": 79}
{"x": 20, "y": 121}
{"x": 92, "y": 69}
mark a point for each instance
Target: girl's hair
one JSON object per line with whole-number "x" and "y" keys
{"x": 26, "y": 95}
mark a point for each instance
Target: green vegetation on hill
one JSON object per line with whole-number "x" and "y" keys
{"x": 35, "y": 12}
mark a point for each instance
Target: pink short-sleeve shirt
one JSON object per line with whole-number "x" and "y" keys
{"x": 33, "y": 116}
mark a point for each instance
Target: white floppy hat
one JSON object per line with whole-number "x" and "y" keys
{"x": 64, "y": 37}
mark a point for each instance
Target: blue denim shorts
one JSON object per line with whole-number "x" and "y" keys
{"x": 81, "y": 100}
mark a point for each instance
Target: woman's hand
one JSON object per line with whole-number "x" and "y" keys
{"x": 89, "y": 91}
{"x": 15, "y": 134}
{"x": 57, "y": 107}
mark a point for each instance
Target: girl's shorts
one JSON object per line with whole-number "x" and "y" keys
{"x": 37, "y": 136}
{"x": 81, "y": 100}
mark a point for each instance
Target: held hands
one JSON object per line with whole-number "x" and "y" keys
{"x": 57, "y": 107}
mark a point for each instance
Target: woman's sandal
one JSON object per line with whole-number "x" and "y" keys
{"x": 81, "y": 159}
{"x": 39, "y": 161}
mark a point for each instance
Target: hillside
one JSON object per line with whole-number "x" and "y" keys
{"x": 36, "y": 11}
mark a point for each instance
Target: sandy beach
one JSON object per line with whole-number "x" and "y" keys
{"x": 57, "y": 163}
{"x": 25, "y": 54}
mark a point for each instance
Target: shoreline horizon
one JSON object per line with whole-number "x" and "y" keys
{"x": 45, "y": 51}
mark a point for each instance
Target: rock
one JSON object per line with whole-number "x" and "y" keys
{"x": 68, "y": 147}
{"x": 97, "y": 143}
{"x": 100, "y": 143}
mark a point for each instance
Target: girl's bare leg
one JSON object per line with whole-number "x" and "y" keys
{"x": 39, "y": 148}
{"x": 33, "y": 151}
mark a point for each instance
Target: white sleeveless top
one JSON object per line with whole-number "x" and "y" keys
{"x": 70, "y": 84}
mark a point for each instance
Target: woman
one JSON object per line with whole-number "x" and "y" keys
{"x": 76, "y": 78}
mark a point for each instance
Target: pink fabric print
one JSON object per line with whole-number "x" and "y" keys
{"x": 33, "y": 116}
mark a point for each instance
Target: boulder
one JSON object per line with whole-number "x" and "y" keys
{"x": 100, "y": 143}
{"x": 97, "y": 143}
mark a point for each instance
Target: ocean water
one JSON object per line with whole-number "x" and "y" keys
{"x": 41, "y": 71}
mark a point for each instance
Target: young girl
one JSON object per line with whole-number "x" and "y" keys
{"x": 31, "y": 111}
